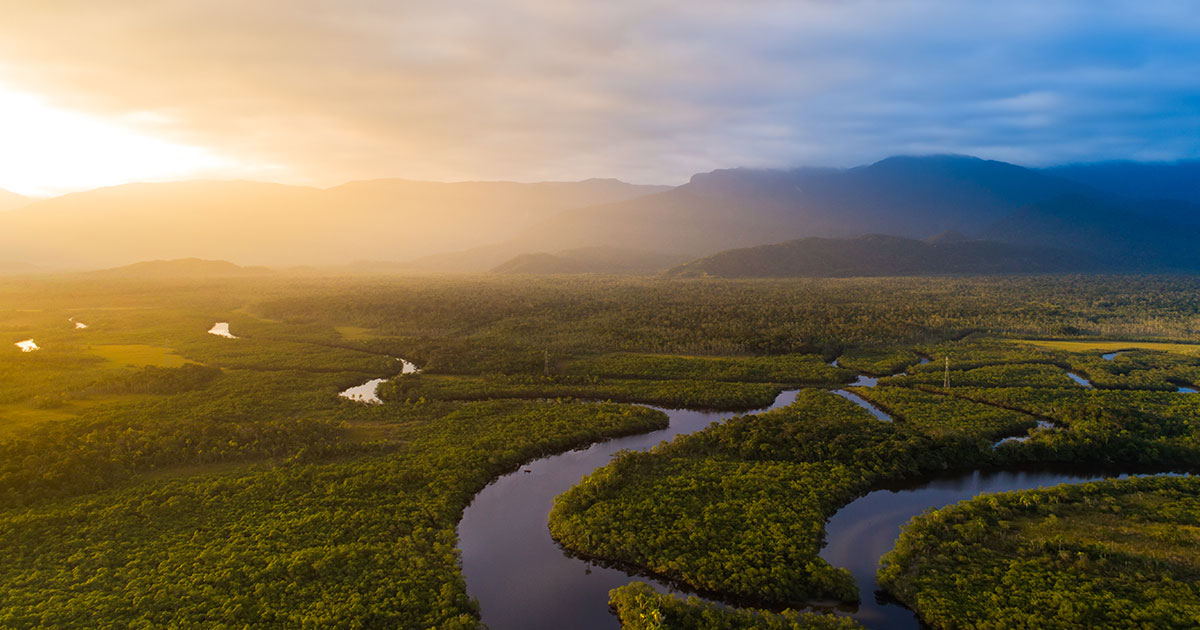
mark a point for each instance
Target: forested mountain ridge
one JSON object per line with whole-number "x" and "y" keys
{"x": 1019, "y": 221}
{"x": 1125, "y": 237}
{"x": 1137, "y": 180}
{"x": 879, "y": 255}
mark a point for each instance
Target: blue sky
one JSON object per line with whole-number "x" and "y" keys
{"x": 648, "y": 91}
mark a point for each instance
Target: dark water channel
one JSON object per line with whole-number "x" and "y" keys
{"x": 523, "y": 580}
{"x": 520, "y": 576}
{"x": 863, "y": 531}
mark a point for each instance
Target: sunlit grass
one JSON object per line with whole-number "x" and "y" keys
{"x": 139, "y": 355}
{"x": 17, "y": 417}
{"x": 1112, "y": 346}
{"x": 1118, "y": 535}
{"x": 355, "y": 333}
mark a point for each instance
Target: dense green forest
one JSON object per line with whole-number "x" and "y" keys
{"x": 1113, "y": 554}
{"x": 640, "y": 607}
{"x": 738, "y": 508}
{"x": 152, "y": 474}
{"x": 364, "y": 542}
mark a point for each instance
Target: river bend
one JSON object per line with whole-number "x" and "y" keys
{"x": 524, "y": 580}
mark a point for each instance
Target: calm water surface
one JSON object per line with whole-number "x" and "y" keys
{"x": 520, "y": 576}
{"x": 366, "y": 393}
{"x": 863, "y": 531}
{"x": 1080, "y": 380}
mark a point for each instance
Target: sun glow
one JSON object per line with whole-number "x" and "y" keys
{"x": 45, "y": 150}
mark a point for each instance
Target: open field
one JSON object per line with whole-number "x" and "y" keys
{"x": 1100, "y": 346}
{"x": 139, "y": 355}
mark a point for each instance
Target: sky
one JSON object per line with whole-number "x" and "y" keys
{"x": 649, "y": 91}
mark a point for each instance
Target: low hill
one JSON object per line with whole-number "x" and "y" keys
{"x": 877, "y": 255}
{"x": 182, "y": 268}
{"x": 589, "y": 260}
{"x": 14, "y": 268}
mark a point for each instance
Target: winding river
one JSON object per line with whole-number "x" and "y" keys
{"x": 523, "y": 579}
{"x": 863, "y": 531}
{"x": 520, "y": 576}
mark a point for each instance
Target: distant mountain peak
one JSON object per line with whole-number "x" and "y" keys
{"x": 949, "y": 236}
{"x": 933, "y": 158}
{"x": 945, "y": 164}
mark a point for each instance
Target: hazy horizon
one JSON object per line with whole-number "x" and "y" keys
{"x": 782, "y": 168}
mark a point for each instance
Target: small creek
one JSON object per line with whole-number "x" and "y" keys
{"x": 366, "y": 393}
{"x": 867, "y": 381}
{"x": 517, "y": 572}
{"x": 1179, "y": 389}
{"x": 1080, "y": 380}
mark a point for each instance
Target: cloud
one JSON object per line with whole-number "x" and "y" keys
{"x": 651, "y": 90}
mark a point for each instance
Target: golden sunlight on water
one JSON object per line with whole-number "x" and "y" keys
{"x": 221, "y": 329}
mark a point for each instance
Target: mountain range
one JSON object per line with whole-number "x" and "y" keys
{"x": 1137, "y": 180}
{"x": 901, "y": 196}
{"x": 1112, "y": 216}
{"x": 1055, "y": 218}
